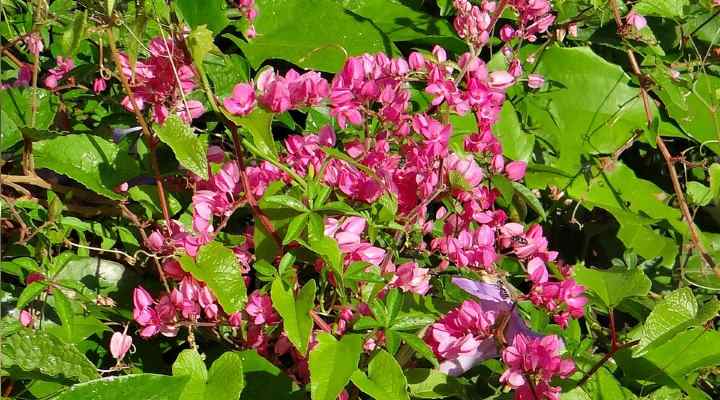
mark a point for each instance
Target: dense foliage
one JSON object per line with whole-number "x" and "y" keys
{"x": 356, "y": 199}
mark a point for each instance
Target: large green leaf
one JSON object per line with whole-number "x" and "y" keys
{"x": 15, "y": 113}
{"x": 265, "y": 380}
{"x": 189, "y": 363}
{"x": 687, "y": 351}
{"x": 96, "y": 163}
{"x": 425, "y": 383}
{"x": 295, "y": 312}
{"x": 189, "y": 149}
{"x": 693, "y": 105}
{"x": 385, "y": 378}
{"x": 210, "y": 13}
{"x": 313, "y": 34}
{"x": 590, "y": 109}
{"x": 661, "y": 8}
{"x": 38, "y": 351}
{"x": 403, "y": 20}
{"x": 225, "y": 379}
{"x": 219, "y": 269}
{"x": 614, "y": 285}
{"x": 94, "y": 276}
{"x": 332, "y": 363}
{"x": 670, "y": 316}
{"x": 140, "y": 386}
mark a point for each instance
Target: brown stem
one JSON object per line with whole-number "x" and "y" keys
{"x": 7, "y": 53}
{"x": 141, "y": 228}
{"x": 669, "y": 160}
{"x": 320, "y": 322}
{"x": 151, "y": 141}
{"x": 603, "y": 360}
{"x": 249, "y": 196}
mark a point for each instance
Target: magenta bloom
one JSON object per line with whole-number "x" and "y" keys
{"x": 635, "y": 20}
{"x": 242, "y": 100}
{"x": 260, "y": 309}
{"x": 411, "y": 278}
{"x": 537, "y": 359}
{"x": 515, "y": 170}
{"x": 25, "y": 318}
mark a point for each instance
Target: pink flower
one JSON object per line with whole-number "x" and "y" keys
{"x": 506, "y": 33}
{"x": 537, "y": 270}
{"x": 64, "y": 65}
{"x": 99, "y": 85}
{"x": 242, "y": 100}
{"x": 500, "y": 80}
{"x": 535, "y": 81}
{"x": 25, "y": 318}
{"x": 260, "y": 309}
{"x": 416, "y": 61}
{"x": 537, "y": 359}
{"x": 515, "y": 170}
{"x": 635, "y": 20}
{"x": 410, "y": 278}
{"x": 120, "y": 343}
{"x": 34, "y": 43}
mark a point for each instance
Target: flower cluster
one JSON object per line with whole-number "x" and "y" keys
{"x": 532, "y": 363}
{"x": 162, "y": 81}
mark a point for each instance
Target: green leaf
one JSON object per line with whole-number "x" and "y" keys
{"x": 258, "y": 124}
{"x": 313, "y": 34}
{"x": 190, "y": 363}
{"x": 210, "y": 13}
{"x": 219, "y": 269}
{"x": 295, "y": 228}
{"x": 295, "y": 312}
{"x": 38, "y": 351}
{"x": 30, "y": 292}
{"x": 92, "y": 276}
{"x": 189, "y": 149}
{"x": 698, "y": 194}
{"x": 140, "y": 386}
{"x": 529, "y": 198}
{"x": 63, "y": 308}
{"x": 427, "y": 383}
{"x": 687, "y": 351}
{"x": 419, "y": 346}
{"x": 71, "y": 37}
{"x": 714, "y": 175}
{"x": 516, "y": 143}
{"x": 287, "y": 201}
{"x": 332, "y": 363}
{"x": 329, "y": 250}
{"x": 661, "y": 8}
{"x": 15, "y": 113}
{"x": 225, "y": 72}
{"x": 693, "y": 105}
{"x": 385, "y": 379}
{"x": 600, "y": 123}
{"x": 670, "y": 316}
{"x": 225, "y": 379}
{"x": 613, "y": 285}
{"x": 96, "y": 163}
{"x": 265, "y": 380}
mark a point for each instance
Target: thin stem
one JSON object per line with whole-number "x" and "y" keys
{"x": 151, "y": 142}
{"x": 249, "y": 196}
{"x": 320, "y": 322}
{"x": 669, "y": 160}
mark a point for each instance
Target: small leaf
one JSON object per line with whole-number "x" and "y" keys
{"x": 286, "y": 201}
{"x": 63, "y": 308}
{"x": 529, "y": 198}
{"x": 419, "y": 346}
{"x": 189, "y": 150}
{"x": 30, "y": 292}
{"x": 218, "y": 267}
{"x": 670, "y": 316}
{"x": 614, "y": 285}
{"x": 295, "y": 228}
{"x": 385, "y": 379}
{"x": 295, "y": 311}
{"x": 332, "y": 363}
{"x": 71, "y": 37}
{"x": 699, "y": 194}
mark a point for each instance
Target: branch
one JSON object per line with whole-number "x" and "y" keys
{"x": 669, "y": 160}
{"x": 152, "y": 143}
